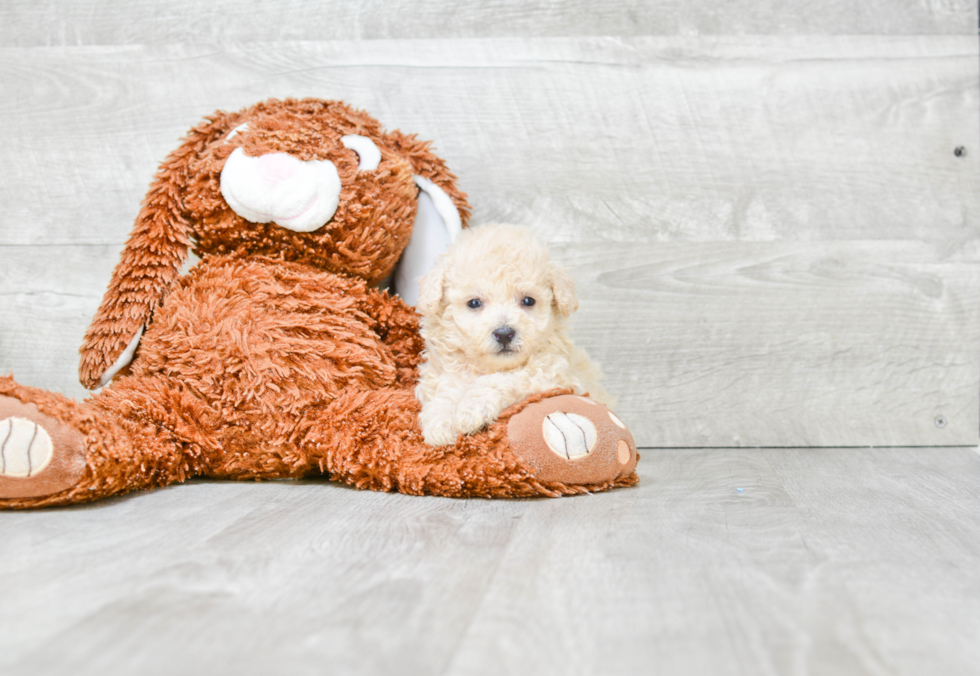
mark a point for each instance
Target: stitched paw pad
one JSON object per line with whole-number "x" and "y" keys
{"x": 569, "y": 435}
{"x": 39, "y": 455}
{"x": 572, "y": 439}
{"x": 25, "y": 448}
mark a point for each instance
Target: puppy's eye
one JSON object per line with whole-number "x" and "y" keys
{"x": 527, "y": 302}
{"x": 474, "y": 304}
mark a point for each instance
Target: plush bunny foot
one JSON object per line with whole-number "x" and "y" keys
{"x": 573, "y": 440}
{"x": 39, "y": 455}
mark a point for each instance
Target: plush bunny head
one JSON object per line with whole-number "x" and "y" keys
{"x": 310, "y": 181}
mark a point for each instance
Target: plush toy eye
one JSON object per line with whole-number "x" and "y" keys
{"x": 527, "y": 302}
{"x": 368, "y": 155}
{"x": 474, "y": 304}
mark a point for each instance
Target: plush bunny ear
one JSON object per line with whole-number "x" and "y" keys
{"x": 437, "y": 224}
{"x": 442, "y": 212}
{"x": 149, "y": 264}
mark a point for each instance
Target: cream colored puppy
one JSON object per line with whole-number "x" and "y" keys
{"x": 493, "y": 319}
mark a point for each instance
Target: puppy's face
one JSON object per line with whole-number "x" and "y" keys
{"x": 499, "y": 319}
{"x": 495, "y": 299}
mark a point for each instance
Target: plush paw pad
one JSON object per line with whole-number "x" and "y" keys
{"x": 573, "y": 440}
{"x": 39, "y": 455}
{"x": 25, "y": 448}
{"x": 569, "y": 435}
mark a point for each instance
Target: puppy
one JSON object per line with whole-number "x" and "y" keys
{"x": 493, "y": 319}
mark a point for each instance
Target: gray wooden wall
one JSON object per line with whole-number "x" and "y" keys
{"x": 774, "y": 241}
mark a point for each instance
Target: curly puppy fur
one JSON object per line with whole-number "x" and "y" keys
{"x": 493, "y": 319}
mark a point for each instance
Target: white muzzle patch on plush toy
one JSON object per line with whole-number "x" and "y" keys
{"x": 298, "y": 195}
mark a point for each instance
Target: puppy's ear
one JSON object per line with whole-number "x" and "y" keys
{"x": 430, "y": 289}
{"x": 563, "y": 290}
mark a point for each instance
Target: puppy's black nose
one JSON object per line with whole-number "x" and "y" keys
{"x": 504, "y": 335}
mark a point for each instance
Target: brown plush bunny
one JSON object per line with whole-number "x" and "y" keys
{"x": 275, "y": 356}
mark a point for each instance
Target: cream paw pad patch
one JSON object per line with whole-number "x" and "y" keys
{"x": 38, "y": 455}
{"x": 25, "y": 448}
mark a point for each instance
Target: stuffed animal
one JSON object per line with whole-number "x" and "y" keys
{"x": 277, "y": 355}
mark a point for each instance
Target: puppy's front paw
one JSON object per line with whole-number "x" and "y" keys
{"x": 437, "y": 430}
{"x": 476, "y": 410}
{"x": 437, "y": 425}
{"x": 444, "y": 435}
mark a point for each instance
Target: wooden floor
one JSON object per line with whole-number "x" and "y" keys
{"x": 820, "y": 561}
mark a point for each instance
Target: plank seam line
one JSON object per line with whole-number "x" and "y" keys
{"x": 452, "y": 656}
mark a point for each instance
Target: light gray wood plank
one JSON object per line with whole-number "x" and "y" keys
{"x": 785, "y": 343}
{"x": 646, "y": 585}
{"x": 48, "y": 296}
{"x": 688, "y": 575}
{"x": 646, "y": 139}
{"x": 48, "y": 22}
{"x": 916, "y": 579}
{"x": 247, "y": 578}
{"x": 833, "y": 561}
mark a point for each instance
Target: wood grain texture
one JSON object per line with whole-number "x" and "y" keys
{"x": 49, "y": 22}
{"x": 785, "y": 343}
{"x": 645, "y": 139}
{"x": 828, "y": 562}
{"x": 774, "y": 240}
{"x": 48, "y": 295}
